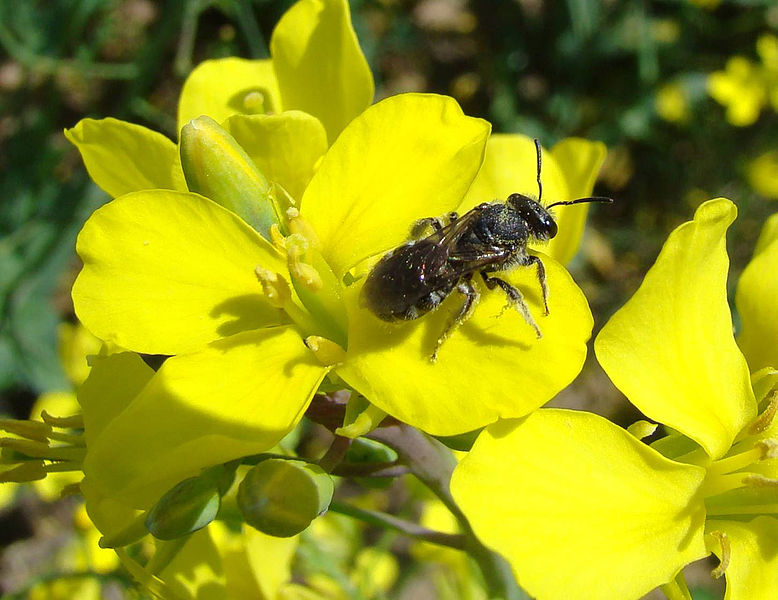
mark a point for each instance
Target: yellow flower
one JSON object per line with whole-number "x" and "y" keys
{"x": 316, "y": 67}
{"x": 579, "y": 506}
{"x": 745, "y": 87}
{"x": 672, "y": 103}
{"x": 762, "y": 174}
{"x": 175, "y": 274}
{"x": 755, "y": 301}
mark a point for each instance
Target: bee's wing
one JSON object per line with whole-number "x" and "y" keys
{"x": 450, "y": 234}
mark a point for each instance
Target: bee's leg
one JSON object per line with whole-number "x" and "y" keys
{"x": 529, "y": 260}
{"x": 435, "y": 222}
{"x": 515, "y": 298}
{"x": 465, "y": 286}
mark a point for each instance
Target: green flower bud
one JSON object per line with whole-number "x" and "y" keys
{"x": 216, "y": 167}
{"x": 281, "y": 497}
{"x": 187, "y": 507}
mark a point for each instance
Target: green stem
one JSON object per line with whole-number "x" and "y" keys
{"x": 432, "y": 463}
{"x": 413, "y": 530}
{"x": 677, "y": 589}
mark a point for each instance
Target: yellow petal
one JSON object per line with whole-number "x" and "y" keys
{"x": 224, "y": 87}
{"x": 112, "y": 385}
{"x": 670, "y": 349}
{"x": 405, "y": 158}
{"x": 510, "y": 166}
{"x": 320, "y": 67}
{"x": 123, "y": 157}
{"x": 580, "y": 161}
{"x": 579, "y": 507}
{"x": 755, "y": 300}
{"x": 285, "y": 147}
{"x": 166, "y": 272}
{"x": 237, "y": 397}
{"x": 493, "y": 366}
{"x": 752, "y": 572}
{"x": 75, "y": 345}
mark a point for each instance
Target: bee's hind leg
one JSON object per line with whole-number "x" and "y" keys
{"x": 465, "y": 286}
{"x": 515, "y": 298}
{"x": 435, "y": 222}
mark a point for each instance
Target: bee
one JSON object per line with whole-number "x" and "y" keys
{"x": 415, "y": 278}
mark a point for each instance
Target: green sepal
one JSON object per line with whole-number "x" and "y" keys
{"x": 215, "y": 166}
{"x": 462, "y": 442}
{"x": 134, "y": 531}
{"x": 188, "y": 506}
{"x": 281, "y": 497}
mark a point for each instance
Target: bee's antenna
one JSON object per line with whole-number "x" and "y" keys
{"x": 581, "y": 200}
{"x": 540, "y": 185}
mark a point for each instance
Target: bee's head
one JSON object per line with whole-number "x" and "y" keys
{"x": 540, "y": 223}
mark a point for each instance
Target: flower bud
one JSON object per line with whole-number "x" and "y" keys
{"x": 216, "y": 167}
{"x": 281, "y": 497}
{"x": 187, "y": 507}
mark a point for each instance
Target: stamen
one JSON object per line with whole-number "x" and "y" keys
{"x": 299, "y": 226}
{"x": 40, "y": 450}
{"x": 73, "y": 422}
{"x": 274, "y": 286}
{"x": 254, "y": 103}
{"x": 303, "y": 273}
{"x": 769, "y": 448}
{"x": 28, "y": 471}
{"x": 32, "y": 430}
{"x": 277, "y": 237}
{"x": 326, "y": 351}
{"x": 764, "y": 420}
{"x": 719, "y": 484}
{"x": 760, "y": 481}
{"x": 723, "y": 541}
{"x": 733, "y": 463}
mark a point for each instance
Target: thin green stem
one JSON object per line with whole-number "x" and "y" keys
{"x": 432, "y": 463}
{"x": 413, "y": 530}
{"x": 677, "y": 589}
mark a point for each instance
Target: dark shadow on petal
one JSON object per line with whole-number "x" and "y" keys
{"x": 249, "y": 311}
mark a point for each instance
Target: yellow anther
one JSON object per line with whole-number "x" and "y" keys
{"x": 32, "y": 430}
{"x": 302, "y": 273}
{"x": 326, "y": 351}
{"x": 254, "y": 103}
{"x": 764, "y": 420}
{"x": 277, "y": 237}
{"x": 296, "y": 245}
{"x": 723, "y": 541}
{"x": 760, "y": 481}
{"x": 769, "y": 448}
{"x": 298, "y": 225}
{"x": 274, "y": 286}
{"x": 642, "y": 429}
{"x": 306, "y": 275}
{"x": 72, "y": 422}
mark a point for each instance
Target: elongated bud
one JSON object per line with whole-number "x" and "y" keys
{"x": 216, "y": 167}
{"x": 189, "y": 506}
{"x": 281, "y": 497}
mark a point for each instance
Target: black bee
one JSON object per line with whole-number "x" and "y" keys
{"x": 416, "y": 277}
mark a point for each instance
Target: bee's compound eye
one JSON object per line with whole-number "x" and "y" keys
{"x": 552, "y": 228}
